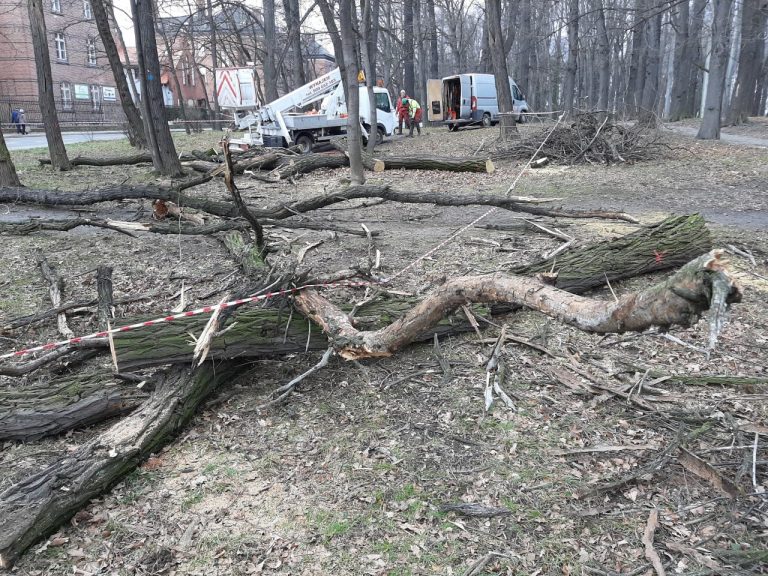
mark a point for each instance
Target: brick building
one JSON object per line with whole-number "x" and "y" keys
{"x": 84, "y": 88}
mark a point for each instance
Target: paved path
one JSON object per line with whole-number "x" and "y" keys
{"x": 38, "y": 140}
{"x": 729, "y": 138}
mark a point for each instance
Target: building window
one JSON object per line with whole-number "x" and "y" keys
{"x": 61, "y": 47}
{"x": 66, "y": 96}
{"x": 96, "y": 97}
{"x": 56, "y": 6}
{"x": 87, "y": 12}
{"x": 90, "y": 46}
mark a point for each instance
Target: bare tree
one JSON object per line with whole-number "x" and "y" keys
{"x": 293, "y": 21}
{"x": 56, "y": 149}
{"x": 169, "y": 51}
{"x": 569, "y": 87}
{"x": 161, "y": 146}
{"x": 753, "y": 21}
{"x": 409, "y": 80}
{"x": 652, "y": 69}
{"x": 500, "y": 71}
{"x": 718, "y": 66}
{"x": 604, "y": 57}
{"x": 368, "y": 43}
{"x": 135, "y": 127}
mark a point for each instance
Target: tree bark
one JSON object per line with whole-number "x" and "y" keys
{"x": 650, "y": 96}
{"x": 270, "y": 70}
{"x": 569, "y": 87}
{"x": 718, "y": 65}
{"x": 369, "y": 47}
{"x": 283, "y": 211}
{"x": 172, "y": 72}
{"x": 37, "y": 505}
{"x": 753, "y": 21}
{"x": 45, "y": 87}
{"x": 135, "y": 126}
{"x": 604, "y": 59}
{"x": 350, "y": 73}
{"x": 633, "y": 91}
{"x": 680, "y": 300}
{"x": 434, "y": 70}
{"x": 131, "y": 160}
{"x": 8, "y": 176}
{"x": 164, "y": 157}
{"x": 500, "y": 71}
{"x": 293, "y": 20}
{"x": 409, "y": 74}
{"x": 214, "y": 64}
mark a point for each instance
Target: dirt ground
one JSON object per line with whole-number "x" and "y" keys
{"x": 350, "y": 476}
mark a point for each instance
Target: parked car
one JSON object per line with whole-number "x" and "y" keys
{"x": 470, "y": 99}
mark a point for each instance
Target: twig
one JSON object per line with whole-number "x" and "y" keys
{"x": 229, "y": 181}
{"x": 754, "y": 461}
{"x": 284, "y": 391}
{"x": 650, "y": 552}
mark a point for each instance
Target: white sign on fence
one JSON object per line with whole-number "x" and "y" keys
{"x": 109, "y": 93}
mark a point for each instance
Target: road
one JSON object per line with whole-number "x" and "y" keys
{"x": 38, "y": 140}
{"x": 737, "y": 139}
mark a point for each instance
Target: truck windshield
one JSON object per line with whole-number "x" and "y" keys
{"x": 382, "y": 102}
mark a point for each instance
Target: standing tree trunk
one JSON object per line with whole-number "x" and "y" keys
{"x": 409, "y": 79}
{"x": 504, "y": 91}
{"x": 135, "y": 127}
{"x": 347, "y": 11}
{"x": 753, "y": 20}
{"x": 293, "y": 20}
{"x": 650, "y": 96}
{"x": 718, "y": 64}
{"x": 682, "y": 64}
{"x": 604, "y": 59}
{"x": 569, "y": 87}
{"x": 214, "y": 65}
{"x": 164, "y": 157}
{"x": 434, "y": 68}
{"x": 8, "y": 176}
{"x": 176, "y": 83}
{"x": 632, "y": 94}
{"x": 528, "y": 31}
{"x": 370, "y": 10}
{"x": 270, "y": 70}
{"x": 45, "y": 89}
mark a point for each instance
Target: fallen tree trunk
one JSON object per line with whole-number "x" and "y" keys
{"x": 130, "y": 160}
{"x": 679, "y": 300}
{"x": 47, "y": 408}
{"x": 282, "y": 211}
{"x": 380, "y": 164}
{"x": 293, "y": 166}
{"x": 35, "y": 506}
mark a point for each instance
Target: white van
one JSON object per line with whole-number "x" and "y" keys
{"x": 470, "y": 99}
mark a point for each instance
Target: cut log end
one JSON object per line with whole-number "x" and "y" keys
{"x": 378, "y": 166}
{"x": 489, "y": 167}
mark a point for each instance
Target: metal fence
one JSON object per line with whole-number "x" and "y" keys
{"x": 81, "y": 115}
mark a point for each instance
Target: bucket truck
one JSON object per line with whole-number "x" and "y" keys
{"x": 283, "y": 122}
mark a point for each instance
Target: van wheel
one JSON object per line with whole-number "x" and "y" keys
{"x": 305, "y": 142}
{"x": 380, "y": 133}
{"x": 521, "y": 118}
{"x": 487, "y": 123}
{"x": 453, "y": 127}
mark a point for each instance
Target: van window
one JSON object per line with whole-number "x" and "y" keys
{"x": 382, "y": 102}
{"x": 516, "y": 94}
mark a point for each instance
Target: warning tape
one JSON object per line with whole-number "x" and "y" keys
{"x": 197, "y": 312}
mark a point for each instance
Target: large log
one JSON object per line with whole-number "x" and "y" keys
{"x": 382, "y": 163}
{"x": 36, "y": 505}
{"x": 130, "y": 160}
{"x": 282, "y": 211}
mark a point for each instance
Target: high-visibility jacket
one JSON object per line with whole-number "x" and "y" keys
{"x": 412, "y": 107}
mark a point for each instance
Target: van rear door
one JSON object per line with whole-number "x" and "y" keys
{"x": 466, "y": 96}
{"x": 434, "y": 100}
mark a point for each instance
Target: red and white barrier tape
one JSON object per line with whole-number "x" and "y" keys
{"x": 197, "y": 312}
